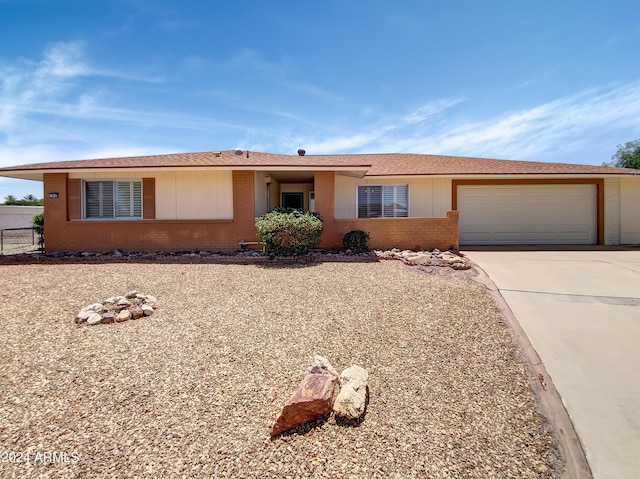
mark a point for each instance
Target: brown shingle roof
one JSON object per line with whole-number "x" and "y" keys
{"x": 377, "y": 164}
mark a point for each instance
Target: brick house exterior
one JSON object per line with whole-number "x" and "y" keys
{"x": 209, "y": 200}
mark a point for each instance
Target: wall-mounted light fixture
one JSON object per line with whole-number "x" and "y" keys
{"x": 53, "y": 195}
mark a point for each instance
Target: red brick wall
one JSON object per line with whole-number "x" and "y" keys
{"x": 148, "y": 235}
{"x": 404, "y": 233}
{"x": 223, "y": 235}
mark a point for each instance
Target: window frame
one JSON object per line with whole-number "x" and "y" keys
{"x": 382, "y": 186}
{"x": 114, "y": 182}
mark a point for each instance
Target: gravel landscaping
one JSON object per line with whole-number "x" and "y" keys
{"x": 193, "y": 390}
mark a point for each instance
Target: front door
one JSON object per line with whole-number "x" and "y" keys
{"x": 293, "y": 200}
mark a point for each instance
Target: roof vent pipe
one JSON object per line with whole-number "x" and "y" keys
{"x": 239, "y": 151}
{"x": 301, "y": 152}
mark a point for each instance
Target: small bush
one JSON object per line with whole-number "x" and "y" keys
{"x": 287, "y": 231}
{"x": 38, "y": 223}
{"x": 356, "y": 241}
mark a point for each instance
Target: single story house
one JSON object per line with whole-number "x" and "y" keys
{"x": 209, "y": 200}
{"x": 15, "y": 216}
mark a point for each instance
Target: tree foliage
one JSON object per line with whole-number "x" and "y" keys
{"x": 28, "y": 200}
{"x": 627, "y": 156}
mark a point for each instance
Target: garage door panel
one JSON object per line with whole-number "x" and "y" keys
{"x": 527, "y": 214}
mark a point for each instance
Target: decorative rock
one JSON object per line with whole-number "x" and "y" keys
{"x": 94, "y": 318}
{"x": 82, "y": 316}
{"x": 352, "y": 398}
{"x": 117, "y": 309}
{"x": 95, "y": 307}
{"x": 321, "y": 365}
{"x": 312, "y": 400}
{"x": 123, "y": 315}
{"x": 421, "y": 258}
{"x": 151, "y": 301}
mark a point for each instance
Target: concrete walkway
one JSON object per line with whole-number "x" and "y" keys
{"x": 581, "y": 311}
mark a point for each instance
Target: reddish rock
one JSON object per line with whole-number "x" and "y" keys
{"x": 82, "y": 316}
{"x": 136, "y": 313}
{"x": 123, "y": 315}
{"x": 151, "y": 301}
{"x": 108, "y": 318}
{"x": 312, "y": 400}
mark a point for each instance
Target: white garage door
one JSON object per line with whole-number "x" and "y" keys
{"x": 527, "y": 214}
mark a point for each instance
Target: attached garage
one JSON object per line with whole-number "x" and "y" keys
{"x": 517, "y": 213}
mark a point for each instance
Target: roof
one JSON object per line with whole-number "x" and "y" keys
{"x": 391, "y": 164}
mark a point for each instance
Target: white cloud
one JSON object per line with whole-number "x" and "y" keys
{"x": 566, "y": 124}
{"x": 430, "y": 109}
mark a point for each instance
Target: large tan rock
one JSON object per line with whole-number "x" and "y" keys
{"x": 312, "y": 400}
{"x": 352, "y": 398}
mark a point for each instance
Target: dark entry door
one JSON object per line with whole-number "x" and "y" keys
{"x": 293, "y": 200}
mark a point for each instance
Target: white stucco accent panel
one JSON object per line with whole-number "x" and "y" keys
{"x": 611, "y": 211}
{"x": 165, "y": 195}
{"x": 630, "y": 210}
{"x": 420, "y": 197}
{"x": 428, "y": 197}
{"x": 111, "y": 175}
{"x": 260, "y": 185}
{"x": 441, "y": 196}
{"x": 204, "y": 195}
{"x": 345, "y": 196}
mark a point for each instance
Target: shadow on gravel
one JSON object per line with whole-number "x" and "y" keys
{"x": 287, "y": 264}
{"x": 303, "y": 429}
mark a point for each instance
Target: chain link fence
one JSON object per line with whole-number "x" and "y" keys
{"x": 20, "y": 240}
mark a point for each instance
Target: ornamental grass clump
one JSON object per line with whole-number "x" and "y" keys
{"x": 289, "y": 232}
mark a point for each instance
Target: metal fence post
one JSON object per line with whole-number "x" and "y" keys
{"x": 1, "y": 241}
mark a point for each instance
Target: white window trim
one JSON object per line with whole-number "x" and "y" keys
{"x": 113, "y": 218}
{"x": 384, "y": 184}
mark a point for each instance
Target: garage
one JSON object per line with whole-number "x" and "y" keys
{"x": 527, "y": 214}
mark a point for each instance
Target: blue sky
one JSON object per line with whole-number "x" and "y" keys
{"x": 543, "y": 80}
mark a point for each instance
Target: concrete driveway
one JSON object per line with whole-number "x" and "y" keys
{"x": 581, "y": 311}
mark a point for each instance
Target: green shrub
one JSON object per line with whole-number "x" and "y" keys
{"x": 38, "y": 223}
{"x": 356, "y": 241}
{"x": 288, "y": 231}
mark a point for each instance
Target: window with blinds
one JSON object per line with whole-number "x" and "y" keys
{"x": 383, "y": 201}
{"x": 113, "y": 199}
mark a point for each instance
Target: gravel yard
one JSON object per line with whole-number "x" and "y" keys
{"x": 193, "y": 390}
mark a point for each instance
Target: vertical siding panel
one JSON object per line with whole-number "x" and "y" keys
{"x": 74, "y": 203}
{"x": 612, "y": 211}
{"x": 149, "y": 198}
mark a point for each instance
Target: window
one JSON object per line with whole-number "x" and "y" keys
{"x": 113, "y": 199}
{"x": 383, "y": 201}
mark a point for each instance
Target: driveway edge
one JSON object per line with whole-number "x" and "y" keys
{"x": 545, "y": 392}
